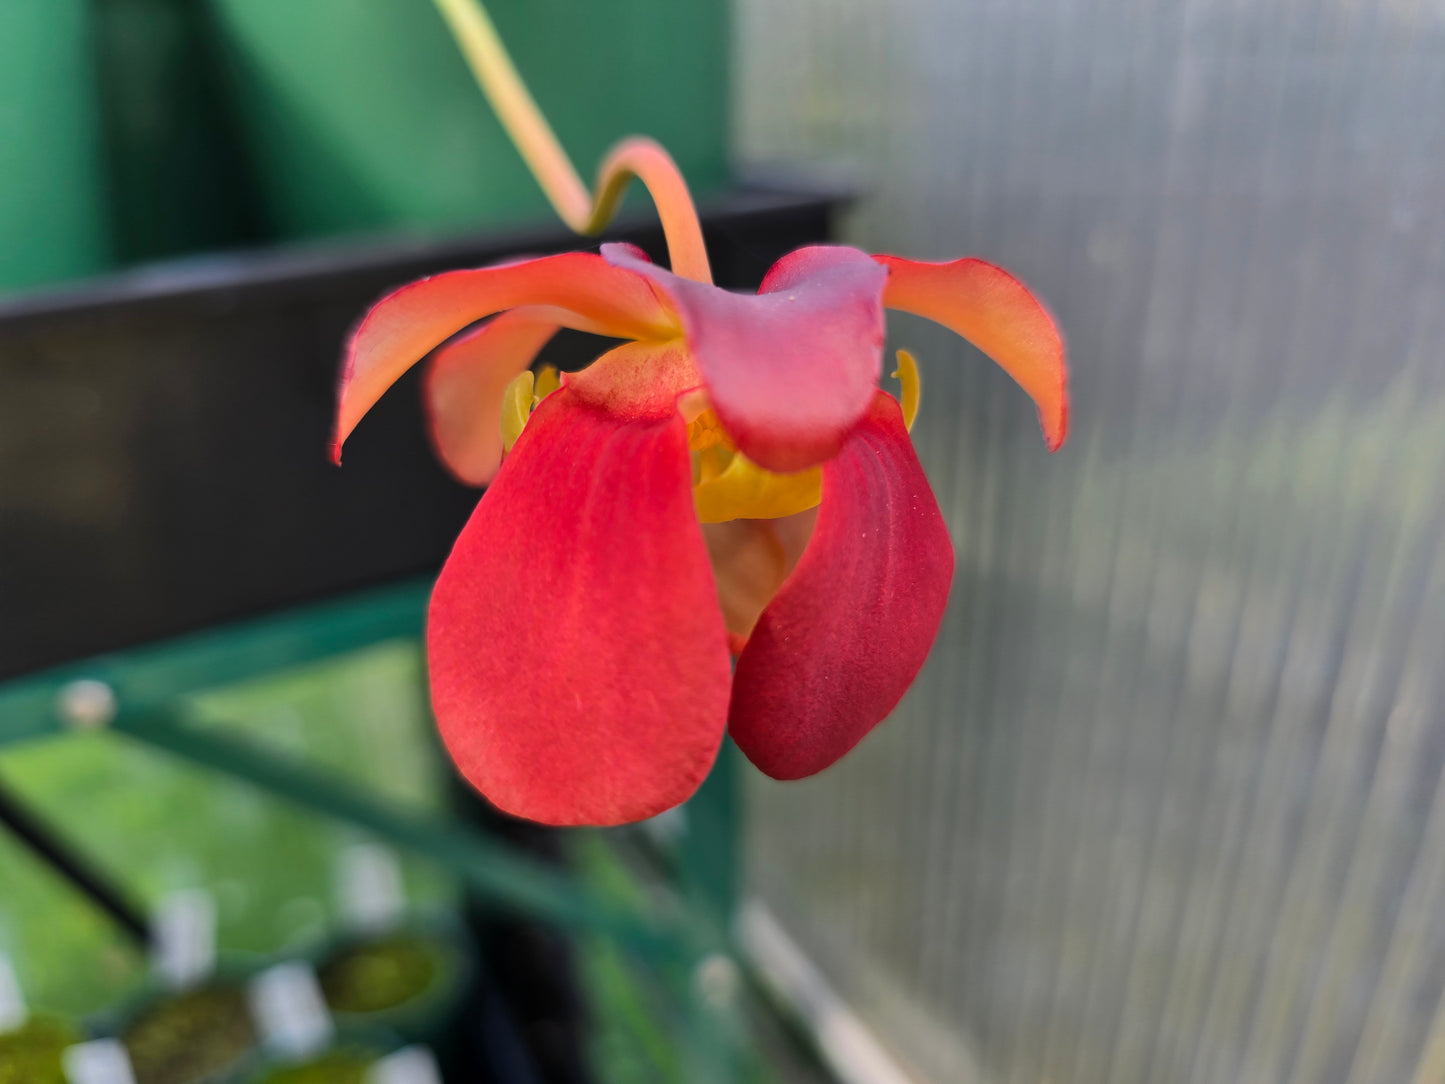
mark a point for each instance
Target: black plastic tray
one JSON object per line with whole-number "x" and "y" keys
{"x": 163, "y": 433}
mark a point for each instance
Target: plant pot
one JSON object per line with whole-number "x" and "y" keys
{"x": 410, "y": 982}
{"x": 344, "y": 1065}
{"x": 195, "y": 1037}
{"x": 363, "y": 116}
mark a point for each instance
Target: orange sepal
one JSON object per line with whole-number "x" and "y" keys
{"x": 999, "y": 315}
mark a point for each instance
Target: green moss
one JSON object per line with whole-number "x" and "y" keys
{"x": 381, "y": 975}
{"x": 31, "y": 1053}
{"x": 191, "y": 1037}
{"x": 339, "y": 1067}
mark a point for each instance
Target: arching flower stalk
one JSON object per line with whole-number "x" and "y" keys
{"x": 730, "y": 481}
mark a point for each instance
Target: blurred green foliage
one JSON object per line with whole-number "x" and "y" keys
{"x": 31, "y": 1054}
{"x": 336, "y": 1067}
{"x": 158, "y": 826}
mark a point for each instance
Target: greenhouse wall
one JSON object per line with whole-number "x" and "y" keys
{"x": 1167, "y": 802}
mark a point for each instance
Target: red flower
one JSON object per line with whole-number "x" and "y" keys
{"x": 731, "y": 480}
{"x": 731, "y": 475}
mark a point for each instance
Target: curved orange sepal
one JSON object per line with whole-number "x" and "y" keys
{"x": 999, "y": 315}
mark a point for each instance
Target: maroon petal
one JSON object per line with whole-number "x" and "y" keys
{"x": 848, "y": 631}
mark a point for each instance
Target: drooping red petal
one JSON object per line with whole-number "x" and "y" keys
{"x": 997, "y": 313}
{"x": 848, "y": 631}
{"x": 588, "y": 293}
{"x": 791, "y": 369}
{"x": 463, "y": 384}
{"x": 579, "y": 664}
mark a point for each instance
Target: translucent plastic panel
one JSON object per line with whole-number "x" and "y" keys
{"x": 1167, "y": 802}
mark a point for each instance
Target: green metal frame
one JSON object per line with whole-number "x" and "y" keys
{"x": 156, "y": 675}
{"x": 150, "y": 686}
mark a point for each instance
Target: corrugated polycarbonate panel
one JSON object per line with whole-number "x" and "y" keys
{"x": 1167, "y": 803}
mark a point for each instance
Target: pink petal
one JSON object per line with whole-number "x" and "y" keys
{"x": 793, "y": 368}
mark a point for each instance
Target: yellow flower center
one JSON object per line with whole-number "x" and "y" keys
{"x": 726, "y": 484}
{"x": 521, "y": 398}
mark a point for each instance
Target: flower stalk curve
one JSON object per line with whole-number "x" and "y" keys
{"x": 638, "y": 157}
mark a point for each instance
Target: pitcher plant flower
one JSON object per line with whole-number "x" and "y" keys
{"x": 730, "y": 483}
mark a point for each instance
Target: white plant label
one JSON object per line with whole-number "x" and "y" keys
{"x": 12, "y": 1002}
{"x": 183, "y": 936}
{"x": 289, "y": 1010}
{"x": 103, "y": 1061}
{"x": 369, "y": 888}
{"x": 411, "y": 1065}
